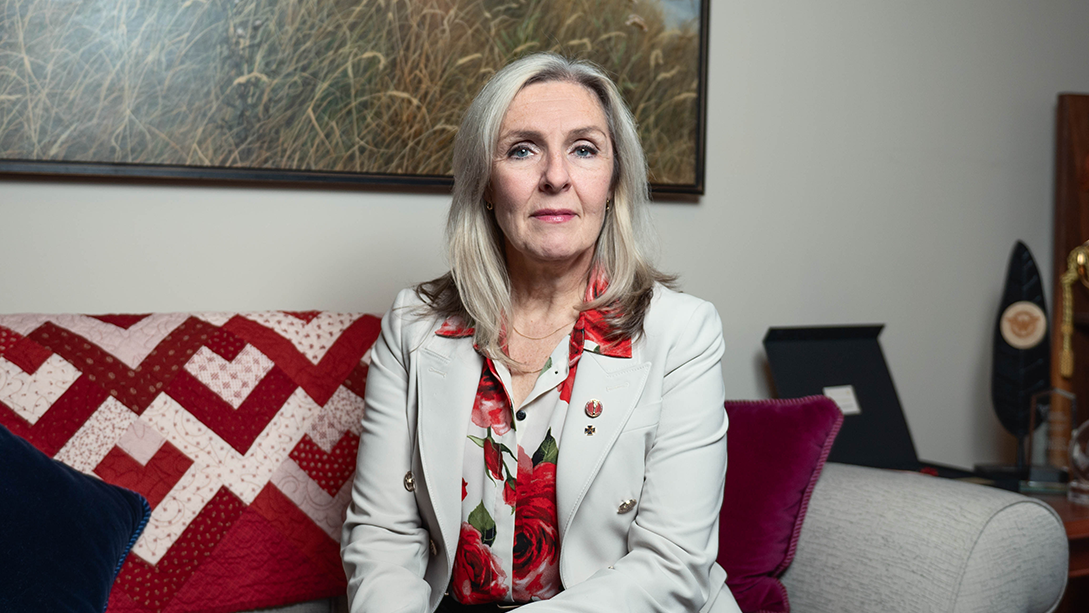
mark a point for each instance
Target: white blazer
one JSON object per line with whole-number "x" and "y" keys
{"x": 660, "y": 440}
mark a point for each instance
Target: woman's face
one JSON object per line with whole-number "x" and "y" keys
{"x": 552, "y": 174}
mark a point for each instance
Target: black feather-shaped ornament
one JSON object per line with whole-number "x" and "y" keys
{"x": 1022, "y": 347}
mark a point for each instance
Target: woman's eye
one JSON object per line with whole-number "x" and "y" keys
{"x": 519, "y": 152}
{"x": 585, "y": 151}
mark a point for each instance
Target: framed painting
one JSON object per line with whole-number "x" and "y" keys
{"x": 362, "y": 93}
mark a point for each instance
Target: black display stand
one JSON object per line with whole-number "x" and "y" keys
{"x": 805, "y": 361}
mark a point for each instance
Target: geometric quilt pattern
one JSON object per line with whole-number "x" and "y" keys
{"x": 240, "y": 429}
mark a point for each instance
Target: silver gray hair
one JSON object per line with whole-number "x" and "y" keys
{"x": 475, "y": 244}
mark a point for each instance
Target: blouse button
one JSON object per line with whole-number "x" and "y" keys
{"x": 410, "y": 482}
{"x": 521, "y": 415}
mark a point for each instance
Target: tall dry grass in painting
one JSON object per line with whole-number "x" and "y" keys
{"x": 372, "y": 86}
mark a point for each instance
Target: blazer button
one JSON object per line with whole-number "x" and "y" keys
{"x": 626, "y": 506}
{"x": 434, "y": 548}
{"x": 410, "y": 482}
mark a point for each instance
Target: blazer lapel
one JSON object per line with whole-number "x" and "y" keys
{"x": 615, "y": 382}
{"x": 447, "y": 382}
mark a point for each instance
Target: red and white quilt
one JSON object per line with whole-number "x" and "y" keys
{"x": 241, "y": 430}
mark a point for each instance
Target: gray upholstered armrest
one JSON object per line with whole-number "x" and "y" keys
{"x": 886, "y": 541}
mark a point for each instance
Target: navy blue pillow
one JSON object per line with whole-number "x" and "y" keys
{"x": 63, "y": 534}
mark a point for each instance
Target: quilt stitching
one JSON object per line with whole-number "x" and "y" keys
{"x": 240, "y": 430}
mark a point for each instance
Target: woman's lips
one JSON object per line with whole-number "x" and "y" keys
{"x": 553, "y": 215}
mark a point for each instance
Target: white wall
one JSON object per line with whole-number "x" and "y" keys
{"x": 867, "y": 162}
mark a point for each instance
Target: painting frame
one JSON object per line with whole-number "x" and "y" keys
{"x": 98, "y": 170}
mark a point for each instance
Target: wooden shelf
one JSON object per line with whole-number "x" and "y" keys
{"x": 1075, "y": 516}
{"x": 1072, "y": 229}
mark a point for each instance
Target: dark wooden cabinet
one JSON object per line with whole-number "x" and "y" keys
{"x": 1071, "y": 230}
{"x": 1075, "y": 518}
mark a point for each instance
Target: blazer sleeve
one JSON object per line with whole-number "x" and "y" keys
{"x": 673, "y": 540}
{"x": 383, "y": 541}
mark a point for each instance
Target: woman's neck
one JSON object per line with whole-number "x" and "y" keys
{"x": 545, "y": 301}
{"x": 544, "y": 295}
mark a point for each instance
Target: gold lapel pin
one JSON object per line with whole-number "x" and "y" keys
{"x": 594, "y": 408}
{"x": 590, "y": 430}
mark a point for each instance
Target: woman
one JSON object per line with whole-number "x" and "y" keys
{"x": 544, "y": 424}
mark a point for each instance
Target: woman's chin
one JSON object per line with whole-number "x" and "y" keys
{"x": 555, "y": 256}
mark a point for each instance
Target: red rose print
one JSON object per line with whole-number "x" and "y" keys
{"x": 590, "y": 326}
{"x": 455, "y": 327}
{"x": 493, "y": 458}
{"x": 567, "y": 385}
{"x": 510, "y": 494}
{"x": 597, "y": 330}
{"x": 491, "y": 408}
{"x": 536, "y": 537}
{"x": 478, "y": 575}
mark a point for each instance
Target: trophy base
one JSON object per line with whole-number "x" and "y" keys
{"x": 1025, "y": 478}
{"x": 1078, "y": 492}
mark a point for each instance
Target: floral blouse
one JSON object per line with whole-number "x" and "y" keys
{"x": 509, "y": 549}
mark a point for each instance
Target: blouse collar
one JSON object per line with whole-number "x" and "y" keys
{"x": 592, "y": 330}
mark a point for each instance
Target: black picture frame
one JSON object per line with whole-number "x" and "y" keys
{"x": 31, "y": 91}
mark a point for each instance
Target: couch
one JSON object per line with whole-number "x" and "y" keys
{"x": 876, "y": 540}
{"x": 889, "y": 542}
{"x": 165, "y": 403}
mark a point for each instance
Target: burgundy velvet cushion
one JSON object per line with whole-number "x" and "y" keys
{"x": 776, "y": 451}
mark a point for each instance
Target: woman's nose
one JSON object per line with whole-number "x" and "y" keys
{"x": 555, "y": 176}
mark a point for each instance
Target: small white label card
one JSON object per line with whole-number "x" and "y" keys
{"x": 844, "y": 397}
